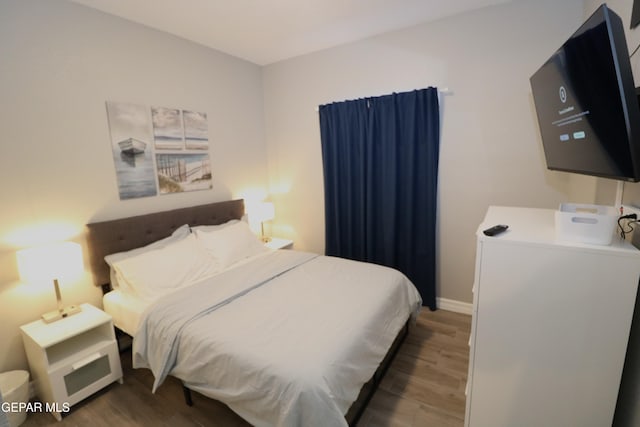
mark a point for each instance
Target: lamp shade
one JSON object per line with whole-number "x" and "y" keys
{"x": 264, "y": 211}
{"x": 44, "y": 263}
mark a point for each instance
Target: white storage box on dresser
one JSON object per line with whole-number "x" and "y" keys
{"x": 72, "y": 358}
{"x": 550, "y": 327}
{"x": 580, "y": 223}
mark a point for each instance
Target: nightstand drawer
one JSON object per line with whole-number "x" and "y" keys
{"x": 86, "y": 373}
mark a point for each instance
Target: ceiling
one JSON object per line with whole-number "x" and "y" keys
{"x": 267, "y": 31}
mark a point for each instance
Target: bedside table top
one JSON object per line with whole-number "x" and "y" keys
{"x": 48, "y": 334}
{"x": 277, "y": 243}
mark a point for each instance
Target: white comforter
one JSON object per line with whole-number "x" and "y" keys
{"x": 287, "y": 339}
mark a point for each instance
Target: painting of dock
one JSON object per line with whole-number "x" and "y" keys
{"x": 183, "y": 172}
{"x": 159, "y": 150}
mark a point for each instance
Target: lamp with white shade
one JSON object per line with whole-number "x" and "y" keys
{"x": 261, "y": 213}
{"x": 50, "y": 263}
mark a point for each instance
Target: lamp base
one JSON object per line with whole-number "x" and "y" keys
{"x": 54, "y": 315}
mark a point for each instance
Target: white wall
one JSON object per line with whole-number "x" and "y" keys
{"x": 490, "y": 149}
{"x": 60, "y": 63}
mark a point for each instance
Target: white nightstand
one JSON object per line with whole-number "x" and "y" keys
{"x": 276, "y": 243}
{"x": 72, "y": 358}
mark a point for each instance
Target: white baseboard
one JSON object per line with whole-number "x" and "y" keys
{"x": 453, "y": 305}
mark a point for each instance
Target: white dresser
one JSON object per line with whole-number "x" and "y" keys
{"x": 550, "y": 326}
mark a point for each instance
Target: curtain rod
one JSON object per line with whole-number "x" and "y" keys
{"x": 443, "y": 91}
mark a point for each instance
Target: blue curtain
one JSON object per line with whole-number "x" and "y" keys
{"x": 380, "y": 160}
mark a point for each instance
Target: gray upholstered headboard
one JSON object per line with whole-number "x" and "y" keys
{"x": 104, "y": 238}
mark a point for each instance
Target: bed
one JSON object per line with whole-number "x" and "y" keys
{"x": 284, "y": 338}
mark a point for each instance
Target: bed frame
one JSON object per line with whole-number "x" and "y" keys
{"x": 107, "y": 237}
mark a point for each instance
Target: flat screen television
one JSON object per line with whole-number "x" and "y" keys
{"x": 586, "y": 102}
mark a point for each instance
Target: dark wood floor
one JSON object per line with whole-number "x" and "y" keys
{"x": 424, "y": 386}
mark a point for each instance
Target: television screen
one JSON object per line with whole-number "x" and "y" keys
{"x": 586, "y": 104}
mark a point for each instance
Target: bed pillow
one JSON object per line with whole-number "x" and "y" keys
{"x": 214, "y": 227}
{"x": 157, "y": 272}
{"x": 179, "y": 234}
{"x": 231, "y": 244}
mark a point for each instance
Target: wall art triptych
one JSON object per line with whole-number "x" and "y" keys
{"x": 158, "y": 150}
